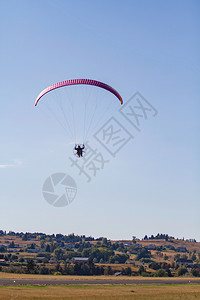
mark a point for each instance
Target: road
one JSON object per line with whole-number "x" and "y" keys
{"x": 21, "y": 281}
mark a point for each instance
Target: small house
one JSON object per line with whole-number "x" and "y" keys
{"x": 182, "y": 249}
{"x": 80, "y": 259}
{"x": 150, "y": 247}
{"x": 3, "y": 262}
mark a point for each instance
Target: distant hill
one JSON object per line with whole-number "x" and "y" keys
{"x": 152, "y": 256}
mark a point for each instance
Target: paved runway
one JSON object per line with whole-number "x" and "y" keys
{"x": 8, "y": 281}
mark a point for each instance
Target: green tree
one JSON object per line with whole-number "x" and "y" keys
{"x": 58, "y": 253}
{"x": 134, "y": 239}
{"x": 44, "y": 271}
{"x": 47, "y": 248}
{"x": 3, "y": 249}
{"x": 141, "y": 270}
{"x": 165, "y": 257}
{"x": 108, "y": 271}
{"x": 21, "y": 260}
{"x": 98, "y": 253}
{"x": 52, "y": 247}
{"x": 87, "y": 252}
{"x": 14, "y": 257}
{"x": 177, "y": 256}
{"x": 195, "y": 272}
{"x": 42, "y": 244}
{"x": 58, "y": 268}
{"x": 128, "y": 271}
{"x": 104, "y": 241}
{"x": 168, "y": 272}
{"x": 30, "y": 266}
{"x": 161, "y": 273}
{"x": 143, "y": 253}
{"x": 12, "y": 245}
{"x": 193, "y": 257}
{"x": 120, "y": 258}
{"x": 184, "y": 256}
{"x": 181, "y": 271}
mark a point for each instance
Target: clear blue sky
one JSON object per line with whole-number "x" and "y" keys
{"x": 152, "y": 185}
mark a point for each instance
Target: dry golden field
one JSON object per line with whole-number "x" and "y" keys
{"x": 167, "y": 292}
{"x": 97, "y": 291}
{"x": 94, "y": 277}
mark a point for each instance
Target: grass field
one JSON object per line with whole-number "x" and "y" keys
{"x": 98, "y": 292}
{"x": 165, "y": 292}
{"x": 97, "y": 277}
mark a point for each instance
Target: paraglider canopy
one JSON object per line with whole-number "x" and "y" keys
{"x": 79, "y": 81}
{"x": 79, "y": 112}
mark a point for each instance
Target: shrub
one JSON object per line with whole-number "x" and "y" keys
{"x": 195, "y": 272}
{"x": 161, "y": 273}
{"x": 45, "y": 271}
{"x": 181, "y": 271}
{"x": 57, "y": 273}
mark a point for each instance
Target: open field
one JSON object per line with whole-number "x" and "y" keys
{"x": 167, "y": 292}
{"x": 19, "y": 282}
{"x": 4, "y": 275}
{"x": 95, "y": 277}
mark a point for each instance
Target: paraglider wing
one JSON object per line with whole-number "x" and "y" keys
{"x": 79, "y": 81}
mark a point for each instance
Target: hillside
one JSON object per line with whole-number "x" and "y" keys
{"x": 46, "y": 254}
